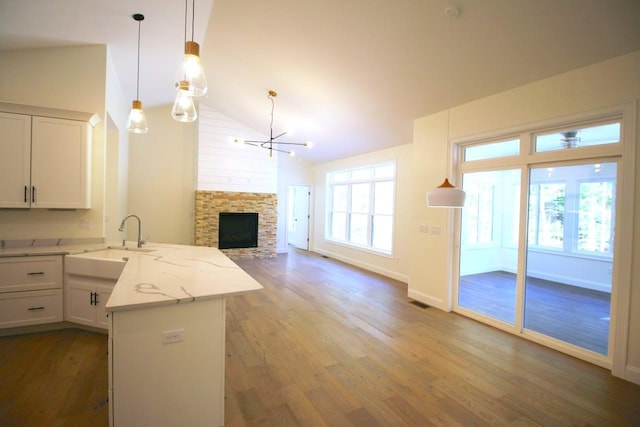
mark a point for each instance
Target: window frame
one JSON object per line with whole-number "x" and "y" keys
{"x": 370, "y": 213}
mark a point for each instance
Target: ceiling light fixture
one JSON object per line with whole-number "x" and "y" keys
{"x": 137, "y": 122}
{"x": 190, "y": 76}
{"x": 446, "y": 195}
{"x": 271, "y": 144}
{"x": 570, "y": 139}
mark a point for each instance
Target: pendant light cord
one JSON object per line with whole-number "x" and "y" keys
{"x": 138, "y": 72}
{"x": 193, "y": 17}
{"x": 273, "y": 106}
{"x": 186, "y": 5}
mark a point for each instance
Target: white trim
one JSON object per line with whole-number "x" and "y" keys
{"x": 427, "y": 299}
{"x": 365, "y": 265}
{"x": 623, "y": 262}
{"x": 625, "y": 153}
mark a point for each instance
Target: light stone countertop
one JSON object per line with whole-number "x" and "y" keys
{"x": 162, "y": 275}
{"x": 174, "y": 274}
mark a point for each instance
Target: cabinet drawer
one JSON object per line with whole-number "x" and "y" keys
{"x": 30, "y": 308}
{"x": 30, "y": 273}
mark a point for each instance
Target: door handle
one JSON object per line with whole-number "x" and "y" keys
{"x": 33, "y": 194}
{"x": 35, "y": 308}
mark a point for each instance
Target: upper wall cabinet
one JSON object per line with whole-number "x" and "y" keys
{"x": 45, "y": 161}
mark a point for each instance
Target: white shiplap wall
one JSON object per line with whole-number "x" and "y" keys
{"x": 225, "y": 166}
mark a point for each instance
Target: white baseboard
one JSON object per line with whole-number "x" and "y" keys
{"x": 370, "y": 267}
{"x": 632, "y": 373}
{"x": 428, "y": 299}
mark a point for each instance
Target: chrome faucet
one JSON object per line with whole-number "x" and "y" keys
{"x": 139, "y": 227}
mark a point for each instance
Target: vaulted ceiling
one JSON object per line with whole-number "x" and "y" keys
{"x": 351, "y": 75}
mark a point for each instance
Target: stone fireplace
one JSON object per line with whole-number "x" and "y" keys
{"x": 209, "y": 205}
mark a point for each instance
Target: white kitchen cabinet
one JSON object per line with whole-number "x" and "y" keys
{"x": 45, "y": 160}
{"x": 85, "y": 299}
{"x": 30, "y": 290}
{"x": 15, "y": 160}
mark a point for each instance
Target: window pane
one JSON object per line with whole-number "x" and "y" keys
{"x": 340, "y": 176}
{"x": 340, "y": 198}
{"x": 339, "y": 226}
{"x": 385, "y": 171}
{"x": 492, "y": 151}
{"x": 383, "y": 198}
{"x": 382, "y": 232}
{"x": 360, "y": 198}
{"x": 362, "y": 173}
{"x": 479, "y": 212}
{"x": 358, "y": 229}
{"x": 574, "y": 138}
{"x": 595, "y": 217}
{"x": 547, "y": 201}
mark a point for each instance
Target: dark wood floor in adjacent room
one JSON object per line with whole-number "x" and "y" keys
{"x": 328, "y": 344}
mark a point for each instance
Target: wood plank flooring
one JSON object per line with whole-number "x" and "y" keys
{"x": 572, "y": 314}
{"x": 326, "y": 344}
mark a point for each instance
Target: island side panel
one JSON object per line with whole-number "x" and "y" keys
{"x": 157, "y": 384}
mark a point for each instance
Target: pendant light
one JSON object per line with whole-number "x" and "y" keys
{"x": 137, "y": 122}
{"x": 190, "y": 70}
{"x": 446, "y": 195}
{"x": 184, "y": 110}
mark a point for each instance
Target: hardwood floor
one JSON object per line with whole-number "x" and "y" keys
{"x": 326, "y": 344}
{"x": 572, "y": 314}
{"x": 56, "y": 378}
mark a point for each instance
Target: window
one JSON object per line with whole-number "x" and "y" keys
{"x": 571, "y": 208}
{"x": 492, "y": 151}
{"x": 546, "y": 215}
{"x": 361, "y": 207}
{"x": 595, "y": 219}
{"x": 579, "y": 137}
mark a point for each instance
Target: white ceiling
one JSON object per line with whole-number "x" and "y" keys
{"x": 351, "y": 75}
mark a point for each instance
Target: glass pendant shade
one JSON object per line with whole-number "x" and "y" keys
{"x": 191, "y": 71}
{"x": 137, "y": 122}
{"x": 184, "y": 110}
{"x": 446, "y": 196}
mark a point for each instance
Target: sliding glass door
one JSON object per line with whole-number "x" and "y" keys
{"x": 570, "y": 253}
{"x": 489, "y": 244}
{"x": 536, "y": 249}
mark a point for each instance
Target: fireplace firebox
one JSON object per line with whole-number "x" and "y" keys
{"x": 237, "y": 230}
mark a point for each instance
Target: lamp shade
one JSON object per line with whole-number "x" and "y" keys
{"x": 445, "y": 196}
{"x": 137, "y": 122}
{"x": 184, "y": 110}
{"x": 191, "y": 70}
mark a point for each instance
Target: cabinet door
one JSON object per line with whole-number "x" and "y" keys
{"x": 60, "y": 153}
{"x": 78, "y": 307}
{"x": 102, "y": 320}
{"x": 15, "y": 160}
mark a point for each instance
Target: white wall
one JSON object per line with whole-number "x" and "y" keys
{"x": 162, "y": 179}
{"x": 396, "y": 266}
{"x": 225, "y": 166}
{"x": 608, "y": 84}
{"x": 116, "y": 156}
{"x": 69, "y": 78}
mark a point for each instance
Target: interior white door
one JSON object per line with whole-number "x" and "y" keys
{"x": 300, "y": 196}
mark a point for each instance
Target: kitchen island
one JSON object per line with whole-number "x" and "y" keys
{"x": 167, "y": 336}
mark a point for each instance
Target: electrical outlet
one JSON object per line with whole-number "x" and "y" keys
{"x": 435, "y": 229}
{"x": 423, "y": 228}
{"x": 170, "y": 337}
